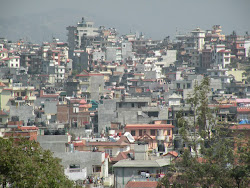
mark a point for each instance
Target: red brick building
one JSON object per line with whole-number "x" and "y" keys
{"x": 74, "y": 112}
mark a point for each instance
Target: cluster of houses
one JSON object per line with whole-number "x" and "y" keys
{"x": 107, "y": 104}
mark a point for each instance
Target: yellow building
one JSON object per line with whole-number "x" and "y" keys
{"x": 5, "y": 95}
{"x": 15, "y": 94}
{"x": 238, "y": 74}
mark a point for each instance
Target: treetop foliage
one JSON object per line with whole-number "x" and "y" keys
{"x": 24, "y": 163}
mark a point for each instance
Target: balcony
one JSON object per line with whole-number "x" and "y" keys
{"x": 84, "y": 82}
{"x": 31, "y": 98}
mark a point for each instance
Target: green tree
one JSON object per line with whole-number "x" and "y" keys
{"x": 24, "y": 163}
{"x": 216, "y": 163}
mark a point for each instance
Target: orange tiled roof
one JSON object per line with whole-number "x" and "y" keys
{"x": 141, "y": 184}
{"x": 2, "y": 84}
{"x": 3, "y": 113}
{"x": 149, "y": 126}
{"x": 243, "y": 109}
{"x": 83, "y": 101}
{"x": 240, "y": 127}
{"x": 121, "y": 156}
{"x": 78, "y": 144}
{"x": 28, "y": 128}
{"x": 174, "y": 153}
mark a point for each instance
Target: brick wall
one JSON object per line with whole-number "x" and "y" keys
{"x": 62, "y": 113}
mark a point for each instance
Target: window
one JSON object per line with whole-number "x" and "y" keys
{"x": 152, "y": 132}
{"x": 74, "y": 168}
{"x": 168, "y": 132}
{"x": 75, "y": 109}
{"x": 133, "y": 105}
{"x": 12, "y": 65}
{"x": 1, "y": 120}
{"x": 120, "y": 105}
{"x": 16, "y": 65}
{"x": 188, "y": 85}
{"x": 109, "y": 151}
{"x": 133, "y": 132}
{"x": 140, "y": 132}
{"x": 98, "y": 169}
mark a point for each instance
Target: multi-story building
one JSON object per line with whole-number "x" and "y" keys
{"x": 221, "y": 57}
{"x": 91, "y": 85}
{"x": 158, "y": 136}
{"x": 195, "y": 40}
{"x": 238, "y": 49}
{"x": 12, "y": 61}
{"x": 74, "y": 112}
{"x": 83, "y": 29}
{"x": 206, "y": 58}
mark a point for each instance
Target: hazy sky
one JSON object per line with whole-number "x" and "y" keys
{"x": 39, "y": 20}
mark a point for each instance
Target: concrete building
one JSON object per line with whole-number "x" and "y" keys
{"x": 95, "y": 162}
{"x": 195, "y": 41}
{"x": 247, "y": 47}
{"x": 114, "y": 53}
{"x": 74, "y": 112}
{"x": 12, "y": 61}
{"x": 111, "y": 147}
{"x": 83, "y": 29}
{"x": 206, "y": 58}
{"x": 139, "y": 168}
{"x": 174, "y": 100}
{"x": 127, "y": 50}
{"x": 91, "y": 85}
{"x": 158, "y": 136}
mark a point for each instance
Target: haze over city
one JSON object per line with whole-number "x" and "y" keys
{"x": 125, "y": 94}
{"x": 38, "y": 21}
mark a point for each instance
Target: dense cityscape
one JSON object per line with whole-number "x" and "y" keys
{"x": 124, "y": 110}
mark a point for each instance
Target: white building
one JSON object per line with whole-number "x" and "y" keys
{"x": 195, "y": 40}
{"x": 12, "y": 62}
{"x": 60, "y": 73}
{"x": 220, "y": 56}
{"x": 85, "y": 28}
{"x": 247, "y": 47}
{"x": 174, "y": 100}
{"x": 221, "y": 74}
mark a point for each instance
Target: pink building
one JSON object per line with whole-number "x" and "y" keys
{"x": 153, "y": 134}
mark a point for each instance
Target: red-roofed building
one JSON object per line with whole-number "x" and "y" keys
{"x": 221, "y": 56}
{"x": 27, "y": 132}
{"x": 111, "y": 148}
{"x": 171, "y": 153}
{"x": 12, "y": 62}
{"x": 141, "y": 184}
{"x": 2, "y": 84}
{"x": 153, "y": 134}
{"x": 122, "y": 155}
